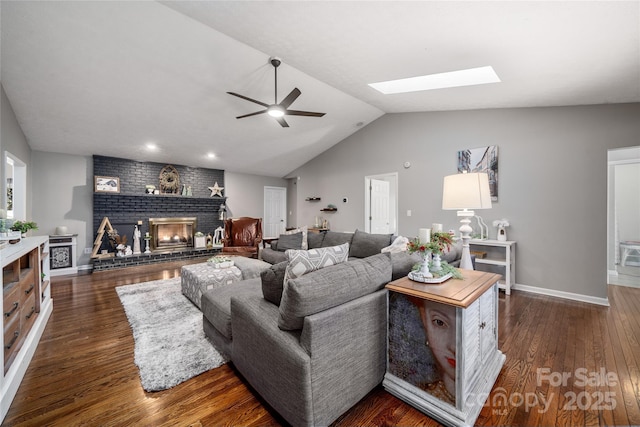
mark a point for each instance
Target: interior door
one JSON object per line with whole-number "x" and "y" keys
{"x": 379, "y": 218}
{"x": 275, "y": 211}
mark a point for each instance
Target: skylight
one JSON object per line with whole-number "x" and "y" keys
{"x": 470, "y": 77}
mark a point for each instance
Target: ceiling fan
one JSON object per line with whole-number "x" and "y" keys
{"x": 275, "y": 110}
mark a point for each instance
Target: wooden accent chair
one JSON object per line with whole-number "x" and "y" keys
{"x": 242, "y": 236}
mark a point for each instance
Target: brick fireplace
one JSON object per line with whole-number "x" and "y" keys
{"x": 132, "y": 205}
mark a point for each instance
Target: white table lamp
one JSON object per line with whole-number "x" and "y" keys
{"x": 464, "y": 192}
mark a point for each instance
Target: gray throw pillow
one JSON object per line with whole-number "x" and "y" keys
{"x": 453, "y": 253}
{"x": 273, "y": 282}
{"x": 334, "y": 238}
{"x": 314, "y": 240}
{"x": 365, "y": 244}
{"x": 290, "y": 241}
{"x": 331, "y": 286}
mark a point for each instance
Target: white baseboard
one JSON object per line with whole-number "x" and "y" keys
{"x": 87, "y": 267}
{"x": 613, "y": 273}
{"x": 561, "y": 294}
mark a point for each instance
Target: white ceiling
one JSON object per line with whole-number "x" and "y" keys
{"x": 90, "y": 77}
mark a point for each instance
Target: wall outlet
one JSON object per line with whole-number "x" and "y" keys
{"x": 409, "y": 212}
{"x": 87, "y": 251}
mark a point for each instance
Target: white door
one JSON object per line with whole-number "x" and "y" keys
{"x": 379, "y": 218}
{"x": 275, "y": 211}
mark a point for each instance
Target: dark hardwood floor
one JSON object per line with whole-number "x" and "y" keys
{"x": 83, "y": 371}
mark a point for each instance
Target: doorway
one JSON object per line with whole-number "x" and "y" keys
{"x": 274, "y": 221}
{"x": 381, "y": 203}
{"x": 623, "y": 224}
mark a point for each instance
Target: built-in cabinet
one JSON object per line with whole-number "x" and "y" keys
{"x": 27, "y": 306}
{"x": 443, "y": 355}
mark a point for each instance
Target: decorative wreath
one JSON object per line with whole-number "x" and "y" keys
{"x": 169, "y": 180}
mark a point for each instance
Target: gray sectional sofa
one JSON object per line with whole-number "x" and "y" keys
{"x": 315, "y": 346}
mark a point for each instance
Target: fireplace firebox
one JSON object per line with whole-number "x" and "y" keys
{"x": 171, "y": 233}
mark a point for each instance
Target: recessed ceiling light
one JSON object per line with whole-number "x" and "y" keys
{"x": 470, "y": 77}
{"x": 151, "y": 146}
{"x": 211, "y": 155}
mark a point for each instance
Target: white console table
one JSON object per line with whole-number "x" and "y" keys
{"x": 501, "y": 254}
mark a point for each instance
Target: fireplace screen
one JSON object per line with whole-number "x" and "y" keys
{"x": 171, "y": 233}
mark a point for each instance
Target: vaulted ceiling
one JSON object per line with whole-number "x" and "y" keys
{"x": 108, "y": 77}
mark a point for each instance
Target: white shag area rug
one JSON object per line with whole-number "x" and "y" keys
{"x": 170, "y": 344}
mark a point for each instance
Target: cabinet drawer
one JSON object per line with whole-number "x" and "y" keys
{"x": 28, "y": 313}
{"x": 12, "y": 341}
{"x": 28, "y": 284}
{"x": 11, "y": 303}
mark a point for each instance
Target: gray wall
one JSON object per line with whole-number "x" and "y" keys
{"x": 552, "y": 181}
{"x": 12, "y": 139}
{"x": 245, "y": 193}
{"x": 63, "y": 195}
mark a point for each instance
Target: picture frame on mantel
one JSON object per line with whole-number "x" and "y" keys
{"x": 106, "y": 184}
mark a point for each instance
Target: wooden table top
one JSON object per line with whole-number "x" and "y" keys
{"x": 457, "y": 292}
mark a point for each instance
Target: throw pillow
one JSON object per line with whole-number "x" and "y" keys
{"x": 314, "y": 240}
{"x": 302, "y": 262}
{"x": 305, "y": 231}
{"x": 453, "y": 253}
{"x": 365, "y": 244}
{"x": 272, "y": 282}
{"x": 290, "y": 241}
{"x": 330, "y": 287}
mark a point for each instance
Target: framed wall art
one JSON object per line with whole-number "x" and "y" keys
{"x": 483, "y": 159}
{"x": 107, "y": 184}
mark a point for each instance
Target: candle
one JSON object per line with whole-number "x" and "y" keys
{"x": 424, "y": 235}
{"x": 147, "y": 234}
{"x": 437, "y": 228}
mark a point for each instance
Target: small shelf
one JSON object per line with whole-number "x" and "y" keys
{"x": 313, "y": 199}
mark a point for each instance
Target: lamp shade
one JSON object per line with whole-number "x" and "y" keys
{"x": 466, "y": 191}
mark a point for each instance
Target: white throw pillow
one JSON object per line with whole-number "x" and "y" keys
{"x": 304, "y": 231}
{"x": 302, "y": 262}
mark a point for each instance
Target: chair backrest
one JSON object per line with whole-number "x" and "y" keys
{"x": 243, "y": 231}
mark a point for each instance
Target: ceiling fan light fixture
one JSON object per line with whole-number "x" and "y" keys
{"x": 275, "y": 111}
{"x": 469, "y": 77}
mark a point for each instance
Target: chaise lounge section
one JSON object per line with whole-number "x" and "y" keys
{"x": 314, "y": 345}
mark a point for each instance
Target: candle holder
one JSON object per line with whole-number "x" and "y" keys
{"x": 146, "y": 249}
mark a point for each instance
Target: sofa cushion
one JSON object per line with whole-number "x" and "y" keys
{"x": 303, "y": 262}
{"x": 272, "y": 282}
{"x": 366, "y": 244}
{"x": 250, "y": 267}
{"x": 314, "y": 240}
{"x": 330, "y": 287}
{"x": 216, "y": 303}
{"x": 290, "y": 241}
{"x": 272, "y": 257}
{"x": 402, "y": 263}
{"x": 334, "y": 238}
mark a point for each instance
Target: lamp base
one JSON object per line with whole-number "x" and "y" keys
{"x": 465, "y": 234}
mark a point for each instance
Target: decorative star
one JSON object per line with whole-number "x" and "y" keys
{"x": 216, "y": 190}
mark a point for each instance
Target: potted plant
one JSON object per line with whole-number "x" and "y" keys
{"x": 23, "y": 226}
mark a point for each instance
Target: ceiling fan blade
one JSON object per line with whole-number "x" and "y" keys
{"x": 252, "y": 114}
{"x": 282, "y": 122}
{"x": 303, "y": 113}
{"x": 293, "y": 95}
{"x": 248, "y": 99}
